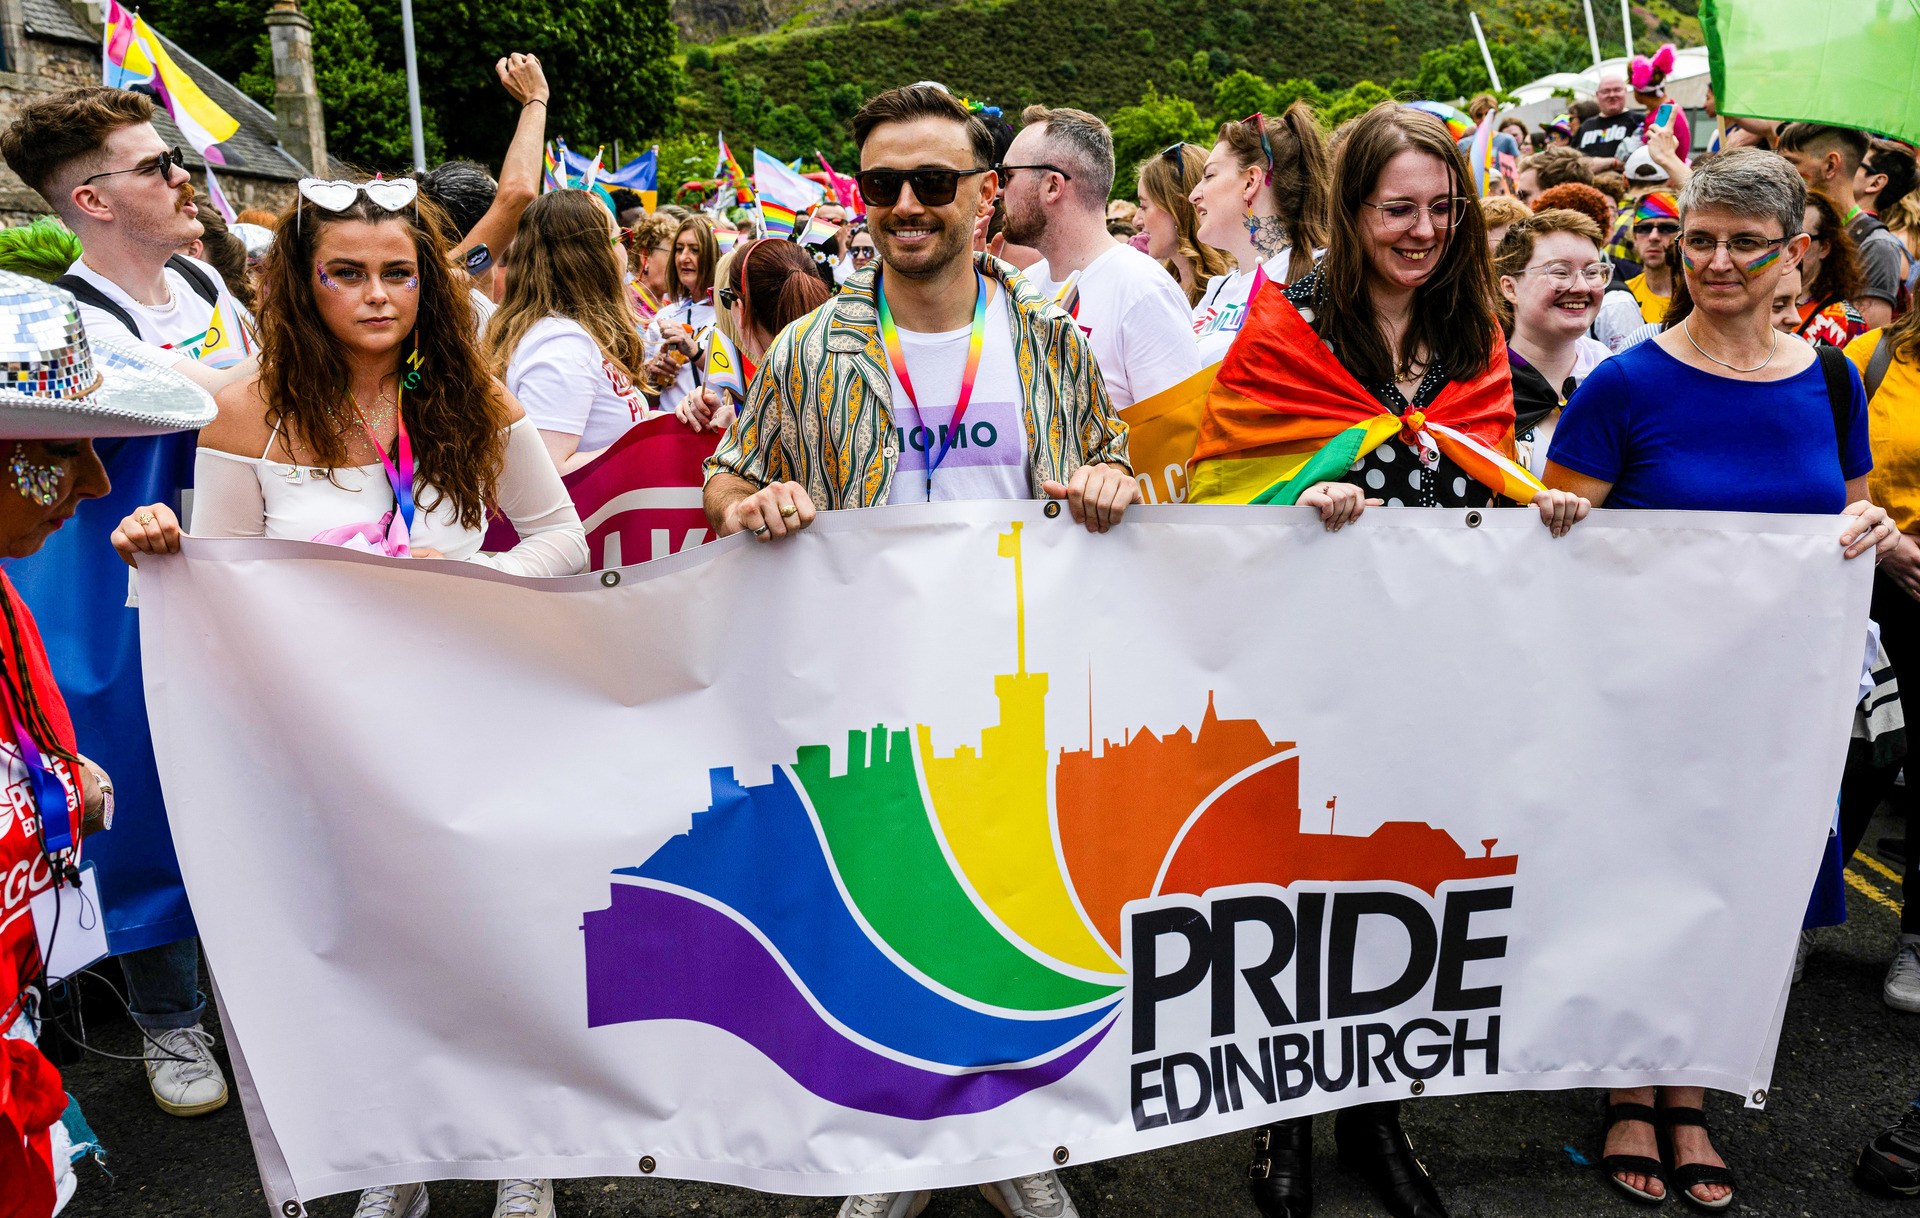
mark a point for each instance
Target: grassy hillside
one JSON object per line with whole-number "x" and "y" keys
{"x": 793, "y": 89}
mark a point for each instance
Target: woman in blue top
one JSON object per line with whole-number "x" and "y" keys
{"x": 1720, "y": 412}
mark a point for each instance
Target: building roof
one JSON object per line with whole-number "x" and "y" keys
{"x": 254, "y": 149}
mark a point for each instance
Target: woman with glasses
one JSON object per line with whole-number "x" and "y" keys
{"x": 1830, "y": 277}
{"x": 1394, "y": 332}
{"x": 372, "y": 423}
{"x": 676, "y": 336}
{"x": 650, "y": 263}
{"x": 1171, "y": 226}
{"x": 564, "y": 340}
{"x": 1719, "y": 412}
{"x": 1552, "y": 276}
{"x": 1261, "y": 200}
{"x": 861, "y": 250}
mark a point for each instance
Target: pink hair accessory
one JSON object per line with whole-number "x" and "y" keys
{"x": 1651, "y": 73}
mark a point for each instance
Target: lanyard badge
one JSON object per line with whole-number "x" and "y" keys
{"x": 897, "y": 355}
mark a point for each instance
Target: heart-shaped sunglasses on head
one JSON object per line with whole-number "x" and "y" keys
{"x": 388, "y": 194}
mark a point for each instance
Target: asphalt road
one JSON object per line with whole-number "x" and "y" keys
{"x": 1847, "y": 1066}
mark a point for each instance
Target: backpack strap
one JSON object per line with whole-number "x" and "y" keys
{"x": 87, "y": 293}
{"x": 202, "y": 283}
{"x": 1877, "y": 365}
{"x": 1833, "y": 366}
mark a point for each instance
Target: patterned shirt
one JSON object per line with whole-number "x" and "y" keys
{"x": 819, "y": 410}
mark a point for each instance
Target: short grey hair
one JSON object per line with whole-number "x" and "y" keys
{"x": 1748, "y": 182}
{"x": 1083, "y": 144}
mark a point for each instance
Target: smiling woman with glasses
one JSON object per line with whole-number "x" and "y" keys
{"x": 1552, "y": 276}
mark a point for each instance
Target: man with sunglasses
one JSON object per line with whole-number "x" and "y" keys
{"x": 933, "y": 376}
{"x": 1631, "y": 305}
{"x": 93, "y": 154}
{"x": 1054, "y": 187}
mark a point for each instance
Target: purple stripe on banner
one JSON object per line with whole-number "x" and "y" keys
{"x": 659, "y": 955}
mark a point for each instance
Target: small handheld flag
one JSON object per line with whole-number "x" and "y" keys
{"x": 723, "y": 365}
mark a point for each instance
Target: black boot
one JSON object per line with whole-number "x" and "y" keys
{"x": 1282, "y": 1171}
{"x": 1373, "y": 1146}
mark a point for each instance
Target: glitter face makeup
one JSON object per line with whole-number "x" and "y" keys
{"x": 36, "y": 483}
{"x": 326, "y": 281}
{"x": 413, "y": 284}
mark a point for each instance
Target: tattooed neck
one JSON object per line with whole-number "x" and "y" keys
{"x": 1268, "y": 234}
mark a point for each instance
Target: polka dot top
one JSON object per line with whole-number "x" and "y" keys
{"x": 1394, "y": 472}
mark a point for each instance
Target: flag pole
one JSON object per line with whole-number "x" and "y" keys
{"x": 1593, "y": 36}
{"x": 413, "y": 87}
{"x": 1486, "y": 56}
{"x": 1626, "y": 26}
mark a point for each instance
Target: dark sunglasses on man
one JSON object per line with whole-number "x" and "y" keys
{"x": 932, "y": 187}
{"x": 1647, "y": 228}
{"x": 162, "y": 164}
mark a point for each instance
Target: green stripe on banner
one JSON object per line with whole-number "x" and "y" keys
{"x": 883, "y": 845}
{"x": 1853, "y": 63}
{"x": 1330, "y": 464}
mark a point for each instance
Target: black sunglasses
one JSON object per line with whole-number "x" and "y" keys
{"x": 1171, "y": 154}
{"x": 728, "y": 298}
{"x": 932, "y": 187}
{"x": 1647, "y": 228}
{"x": 162, "y": 164}
{"x": 1006, "y": 172}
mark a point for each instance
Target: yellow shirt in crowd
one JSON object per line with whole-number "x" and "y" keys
{"x": 1652, "y": 307}
{"x": 1893, "y": 428}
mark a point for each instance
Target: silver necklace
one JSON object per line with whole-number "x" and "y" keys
{"x": 1687, "y": 330}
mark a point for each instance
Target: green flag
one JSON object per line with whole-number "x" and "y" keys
{"x": 1852, "y": 63}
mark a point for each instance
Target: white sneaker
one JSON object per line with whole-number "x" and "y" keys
{"x": 1041, "y": 1196}
{"x": 524, "y": 1199}
{"x": 1902, "y": 991}
{"x": 186, "y": 1081}
{"x": 885, "y": 1205}
{"x": 393, "y": 1201}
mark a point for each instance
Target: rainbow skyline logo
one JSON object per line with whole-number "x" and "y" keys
{"x": 925, "y": 936}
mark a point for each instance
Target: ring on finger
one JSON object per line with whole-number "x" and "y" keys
{"x": 762, "y": 531}
{"x": 143, "y": 518}
{"x": 788, "y": 511}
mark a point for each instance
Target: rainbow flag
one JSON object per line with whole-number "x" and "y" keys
{"x": 728, "y": 168}
{"x": 1458, "y": 125}
{"x": 1480, "y": 160}
{"x": 225, "y": 343}
{"x": 132, "y": 54}
{"x": 1284, "y": 414}
{"x": 552, "y": 175}
{"x": 726, "y": 238}
{"x": 818, "y": 231}
{"x": 777, "y": 218}
{"x": 724, "y": 370}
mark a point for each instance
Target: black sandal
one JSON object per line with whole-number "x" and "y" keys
{"x": 1638, "y": 1165}
{"x": 1685, "y": 1177}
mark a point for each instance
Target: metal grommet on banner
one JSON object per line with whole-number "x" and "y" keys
{"x": 647, "y": 1165}
{"x": 290, "y": 1208}
{"x": 1473, "y": 520}
{"x": 1052, "y": 509}
{"x": 1419, "y": 1087}
{"x": 610, "y": 579}
{"x": 1760, "y": 1096}
{"x": 1060, "y": 1156}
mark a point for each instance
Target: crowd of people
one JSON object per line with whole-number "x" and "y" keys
{"x": 1632, "y": 325}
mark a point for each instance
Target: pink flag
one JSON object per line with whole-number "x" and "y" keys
{"x": 640, "y": 499}
{"x": 844, "y": 188}
{"x": 218, "y": 198}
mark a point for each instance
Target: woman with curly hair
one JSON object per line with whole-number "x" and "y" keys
{"x": 372, "y": 421}
{"x": 1830, "y": 276}
{"x": 1167, "y": 218}
{"x": 565, "y": 339}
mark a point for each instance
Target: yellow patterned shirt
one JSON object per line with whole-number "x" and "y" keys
{"x": 819, "y": 410}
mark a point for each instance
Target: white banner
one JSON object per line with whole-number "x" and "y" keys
{"x": 946, "y": 844}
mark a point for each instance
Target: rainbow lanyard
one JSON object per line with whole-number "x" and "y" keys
{"x": 400, "y": 478}
{"x": 1068, "y": 297}
{"x": 976, "y": 343}
{"x": 57, "y": 832}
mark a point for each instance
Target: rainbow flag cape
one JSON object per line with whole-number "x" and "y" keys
{"x": 777, "y": 218}
{"x": 1284, "y": 414}
{"x": 132, "y": 54}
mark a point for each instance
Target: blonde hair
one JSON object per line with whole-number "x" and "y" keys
{"x": 1501, "y": 210}
{"x": 1167, "y": 188}
{"x": 563, "y": 266}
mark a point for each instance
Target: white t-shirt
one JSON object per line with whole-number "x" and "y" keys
{"x": 483, "y": 310}
{"x": 697, "y": 316}
{"x": 1223, "y": 307}
{"x": 567, "y": 384}
{"x": 171, "y": 331}
{"x": 1136, "y": 319}
{"x": 987, "y": 456}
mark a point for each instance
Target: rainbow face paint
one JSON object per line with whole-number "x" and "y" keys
{"x": 1764, "y": 261}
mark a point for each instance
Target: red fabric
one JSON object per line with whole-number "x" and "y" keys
{"x": 32, "y": 1098}
{"x": 23, "y": 868}
{"x": 1279, "y": 369}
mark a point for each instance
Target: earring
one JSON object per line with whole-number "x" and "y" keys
{"x": 38, "y": 483}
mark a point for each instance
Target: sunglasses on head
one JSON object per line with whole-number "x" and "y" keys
{"x": 1259, "y": 122}
{"x": 1173, "y": 152}
{"x": 931, "y": 187}
{"x": 388, "y": 194}
{"x": 160, "y": 164}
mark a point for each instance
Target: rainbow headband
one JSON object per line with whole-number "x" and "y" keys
{"x": 1657, "y": 205}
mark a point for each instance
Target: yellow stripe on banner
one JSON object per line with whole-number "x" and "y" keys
{"x": 1856, "y": 882}
{"x": 1861, "y": 856}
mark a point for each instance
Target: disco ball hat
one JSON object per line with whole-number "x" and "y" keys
{"x": 56, "y": 385}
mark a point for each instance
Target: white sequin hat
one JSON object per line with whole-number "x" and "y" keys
{"x": 55, "y": 385}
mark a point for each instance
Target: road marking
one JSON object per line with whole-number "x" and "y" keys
{"x": 1861, "y": 856}
{"x": 1860, "y": 884}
